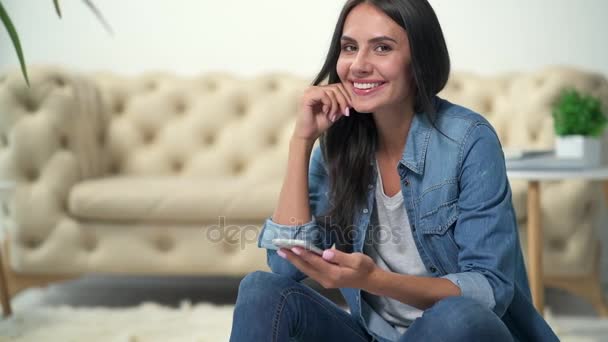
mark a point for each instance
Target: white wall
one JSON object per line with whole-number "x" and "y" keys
{"x": 250, "y": 37}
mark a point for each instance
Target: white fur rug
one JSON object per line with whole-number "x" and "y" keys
{"x": 143, "y": 323}
{"x": 150, "y": 322}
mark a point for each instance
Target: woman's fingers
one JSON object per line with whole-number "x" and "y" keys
{"x": 335, "y": 105}
{"x": 326, "y": 101}
{"x": 342, "y": 100}
{"x": 345, "y": 93}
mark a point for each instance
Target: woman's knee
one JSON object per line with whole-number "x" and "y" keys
{"x": 260, "y": 283}
{"x": 467, "y": 318}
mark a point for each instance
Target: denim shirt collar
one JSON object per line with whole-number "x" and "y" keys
{"x": 414, "y": 152}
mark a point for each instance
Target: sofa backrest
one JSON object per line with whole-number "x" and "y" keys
{"x": 519, "y": 104}
{"x": 215, "y": 125}
{"x": 221, "y": 126}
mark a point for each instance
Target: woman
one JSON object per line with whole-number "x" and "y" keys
{"x": 394, "y": 161}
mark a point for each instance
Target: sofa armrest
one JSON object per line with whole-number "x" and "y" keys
{"x": 51, "y": 137}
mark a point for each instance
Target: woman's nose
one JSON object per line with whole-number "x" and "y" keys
{"x": 361, "y": 65}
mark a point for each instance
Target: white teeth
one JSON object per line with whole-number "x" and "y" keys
{"x": 366, "y": 85}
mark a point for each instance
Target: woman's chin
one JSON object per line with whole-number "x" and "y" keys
{"x": 365, "y": 109}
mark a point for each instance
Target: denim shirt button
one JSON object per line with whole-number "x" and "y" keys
{"x": 365, "y": 211}
{"x": 433, "y": 269}
{"x": 407, "y": 182}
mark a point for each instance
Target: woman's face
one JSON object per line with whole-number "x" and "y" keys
{"x": 374, "y": 62}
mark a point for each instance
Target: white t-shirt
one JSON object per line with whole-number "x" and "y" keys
{"x": 391, "y": 245}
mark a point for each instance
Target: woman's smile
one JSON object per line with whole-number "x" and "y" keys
{"x": 367, "y": 87}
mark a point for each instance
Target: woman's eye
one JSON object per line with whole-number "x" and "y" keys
{"x": 348, "y": 48}
{"x": 383, "y": 48}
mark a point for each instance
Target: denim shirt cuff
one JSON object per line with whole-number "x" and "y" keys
{"x": 474, "y": 285}
{"x": 308, "y": 232}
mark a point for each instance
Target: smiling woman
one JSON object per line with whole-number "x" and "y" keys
{"x": 410, "y": 188}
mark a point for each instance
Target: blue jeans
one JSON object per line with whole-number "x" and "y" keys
{"x": 272, "y": 307}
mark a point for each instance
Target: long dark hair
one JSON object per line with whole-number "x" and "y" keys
{"x": 350, "y": 145}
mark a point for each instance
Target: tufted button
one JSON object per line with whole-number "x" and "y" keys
{"x": 238, "y": 167}
{"x": 64, "y": 205}
{"x": 533, "y": 135}
{"x": 177, "y": 166}
{"x": 59, "y": 81}
{"x": 119, "y": 107}
{"x": 115, "y": 168}
{"x": 241, "y": 109}
{"x": 149, "y": 137}
{"x": 273, "y": 85}
{"x": 210, "y": 85}
{"x": 272, "y": 140}
{"x": 164, "y": 243}
{"x": 31, "y": 175}
{"x": 63, "y": 142}
{"x": 31, "y": 242}
{"x": 229, "y": 245}
{"x": 89, "y": 242}
{"x": 488, "y": 106}
{"x": 432, "y": 269}
{"x": 180, "y": 107}
{"x": 208, "y": 139}
{"x": 557, "y": 244}
{"x": 365, "y": 211}
{"x": 151, "y": 86}
{"x": 370, "y": 186}
{"x": 101, "y": 138}
{"x": 29, "y": 104}
{"x": 588, "y": 210}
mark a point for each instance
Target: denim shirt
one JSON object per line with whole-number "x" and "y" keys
{"x": 458, "y": 201}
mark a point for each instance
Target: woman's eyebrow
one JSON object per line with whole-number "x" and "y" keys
{"x": 373, "y": 40}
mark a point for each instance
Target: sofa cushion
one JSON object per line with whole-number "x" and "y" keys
{"x": 172, "y": 199}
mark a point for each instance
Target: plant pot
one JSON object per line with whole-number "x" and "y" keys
{"x": 584, "y": 148}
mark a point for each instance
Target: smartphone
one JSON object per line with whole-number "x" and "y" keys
{"x": 288, "y": 243}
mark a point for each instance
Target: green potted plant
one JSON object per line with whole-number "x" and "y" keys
{"x": 579, "y": 123}
{"x": 12, "y": 32}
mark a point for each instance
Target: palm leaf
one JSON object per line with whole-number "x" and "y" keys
{"x": 8, "y": 24}
{"x": 57, "y": 9}
{"x": 99, "y": 16}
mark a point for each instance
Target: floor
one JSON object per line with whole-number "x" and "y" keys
{"x": 97, "y": 290}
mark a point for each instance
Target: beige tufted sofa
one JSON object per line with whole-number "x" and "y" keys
{"x": 158, "y": 174}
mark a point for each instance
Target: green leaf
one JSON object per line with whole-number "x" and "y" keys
{"x": 8, "y": 24}
{"x": 578, "y": 114}
{"x": 57, "y": 9}
{"x": 99, "y": 16}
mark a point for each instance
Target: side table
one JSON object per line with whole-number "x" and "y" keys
{"x": 534, "y": 175}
